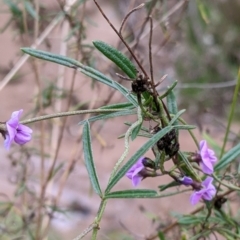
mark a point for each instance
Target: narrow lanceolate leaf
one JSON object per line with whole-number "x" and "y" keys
{"x": 125, "y": 93}
{"x": 136, "y": 156}
{"x": 172, "y": 103}
{"x": 88, "y": 156}
{"x": 228, "y": 158}
{"x": 125, "y": 105}
{"x": 88, "y": 71}
{"x": 136, "y": 131}
{"x": 184, "y": 127}
{"x": 204, "y": 11}
{"x": 176, "y": 116}
{"x": 117, "y": 57}
{"x": 30, "y": 9}
{"x": 109, "y": 115}
{"x": 189, "y": 170}
{"x": 51, "y": 57}
{"x": 133, "y": 193}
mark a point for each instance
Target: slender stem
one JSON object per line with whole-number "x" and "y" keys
{"x": 120, "y": 36}
{"x": 190, "y": 132}
{"x": 127, "y": 135}
{"x": 230, "y": 186}
{"x": 145, "y": 113}
{"x": 86, "y": 231}
{"x": 162, "y": 116}
{"x": 234, "y": 101}
{"x": 98, "y": 218}
{"x": 63, "y": 114}
{"x": 126, "y": 17}
{"x": 150, "y": 52}
{"x": 175, "y": 223}
{"x": 71, "y": 113}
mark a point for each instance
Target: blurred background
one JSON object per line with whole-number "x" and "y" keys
{"x": 45, "y": 191}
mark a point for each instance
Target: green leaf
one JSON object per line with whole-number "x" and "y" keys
{"x": 16, "y": 11}
{"x": 125, "y": 93}
{"x": 189, "y": 170}
{"x": 228, "y": 158}
{"x": 117, "y": 57}
{"x": 161, "y": 235}
{"x": 188, "y": 220}
{"x": 51, "y": 57}
{"x": 136, "y": 131}
{"x": 107, "y": 116}
{"x": 185, "y": 127}
{"x": 125, "y": 105}
{"x": 133, "y": 193}
{"x": 88, "y": 157}
{"x": 169, "y": 89}
{"x": 136, "y": 156}
{"x": 172, "y": 106}
{"x": 169, "y": 185}
{"x": 30, "y": 9}
{"x": 204, "y": 11}
{"x": 88, "y": 71}
{"x": 176, "y": 116}
{"x": 172, "y": 103}
{"x": 144, "y": 129}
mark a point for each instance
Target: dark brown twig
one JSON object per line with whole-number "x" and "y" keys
{"x": 127, "y": 16}
{"x": 119, "y": 35}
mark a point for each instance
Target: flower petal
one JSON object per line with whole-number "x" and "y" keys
{"x": 195, "y": 197}
{"x": 7, "y": 142}
{"x": 11, "y": 133}
{"x": 19, "y": 133}
{"x": 136, "y": 180}
{"x": 207, "y": 182}
{"x": 14, "y": 120}
{"x": 210, "y": 190}
{"x": 208, "y": 158}
{"x": 207, "y": 167}
{"x": 186, "y": 181}
{"x": 133, "y": 172}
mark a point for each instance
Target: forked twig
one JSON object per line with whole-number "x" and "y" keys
{"x": 119, "y": 35}
{"x": 127, "y": 16}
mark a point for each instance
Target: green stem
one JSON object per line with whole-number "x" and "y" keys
{"x": 64, "y": 114}
{"x": 98, "y": 218}
{"x": 190, "y": 132}
{"x": 127, "y": 135}
{"x": 86, "y": 231}
{"x": 234, "y": 101}
{"x": 230, "y": 186}
{"x": 161, "y": 111}
{"x": 145, "y": 113}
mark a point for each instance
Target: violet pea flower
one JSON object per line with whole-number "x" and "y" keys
{"x": 16, "y": 131}
{"x": 134, "y": 173}
{"x": 208, "y": 158}
{"x": 187, "y": 181}
{"x": 207, "y": 192}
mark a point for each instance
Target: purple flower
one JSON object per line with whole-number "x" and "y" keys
{"x": 187, "y": 181}
{"x": 207, "y": 192}
{"x": 134, "y": 173}
{"x": 17, "y": 132}
{"x": 208, "y": 158}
